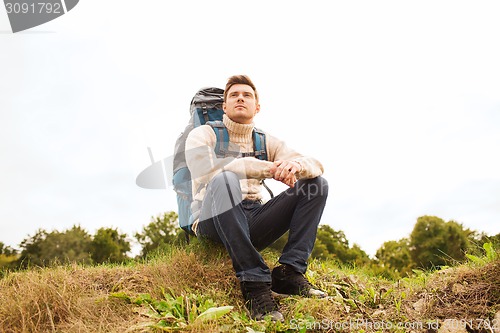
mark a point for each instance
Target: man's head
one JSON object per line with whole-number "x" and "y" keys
{"x": 240, "y": 79}
{"x": 241, "y": 101}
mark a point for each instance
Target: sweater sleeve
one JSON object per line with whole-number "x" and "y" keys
{"x": 279, "y": 151}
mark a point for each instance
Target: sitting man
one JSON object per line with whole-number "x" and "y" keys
{"x": 229, "y": 209}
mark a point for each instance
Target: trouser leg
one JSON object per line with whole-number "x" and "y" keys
{"x": 299, "y": 210}
{"x": 223, "y": 219}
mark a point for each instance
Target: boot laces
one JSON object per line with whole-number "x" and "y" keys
{"x": 260, "y": 300}
{"x": 298, "y": 279}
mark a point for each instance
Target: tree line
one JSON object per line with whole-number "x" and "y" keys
{"x": 432, "y": 243}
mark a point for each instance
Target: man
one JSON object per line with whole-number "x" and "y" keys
{"x": 228, "y": 203}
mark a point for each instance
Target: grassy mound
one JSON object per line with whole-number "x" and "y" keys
{"x": 194, "y": 289}
{"x": 462, "y": 292}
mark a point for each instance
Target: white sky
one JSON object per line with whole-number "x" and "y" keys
{"x": 399, "y": 100}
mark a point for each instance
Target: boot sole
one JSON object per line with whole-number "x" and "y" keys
{"x": 267, "y": 315}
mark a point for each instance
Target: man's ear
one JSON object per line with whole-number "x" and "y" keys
{"x": 257, "y": 108}
{"x": 224, "y": 106}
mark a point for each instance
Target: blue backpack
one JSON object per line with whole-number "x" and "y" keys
{"x": 206, "y": 108}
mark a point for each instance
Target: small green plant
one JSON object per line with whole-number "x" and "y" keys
{"x": 176, "y": 312}
{"x": 371, "y": 296}
{"x": 420, "y": 276}
{"x": 490, "y": 255}
{"x": 399, "y": 301}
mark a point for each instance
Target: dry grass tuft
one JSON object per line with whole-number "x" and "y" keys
{"x": 465, "y": 293}
{"x": 76, "y": 298}
{"x": 46, "y": 300}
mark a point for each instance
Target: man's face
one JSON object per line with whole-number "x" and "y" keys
{"x": 241, "y": 105}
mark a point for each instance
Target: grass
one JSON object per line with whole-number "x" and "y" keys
{"x": 194, "y": 289}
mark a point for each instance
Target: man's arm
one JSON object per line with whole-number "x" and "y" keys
{"x": 289, "y": 165}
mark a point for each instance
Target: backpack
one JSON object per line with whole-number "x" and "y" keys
{"x": 206, "y": 108}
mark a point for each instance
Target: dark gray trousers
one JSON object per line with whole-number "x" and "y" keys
{"x": 246, "y": 227}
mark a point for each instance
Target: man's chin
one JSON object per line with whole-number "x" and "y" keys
{"x": 241, "y": 119}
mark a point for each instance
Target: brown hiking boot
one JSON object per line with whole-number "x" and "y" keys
{"x": 290, "y": 282}
{"x": 259, "y": 301}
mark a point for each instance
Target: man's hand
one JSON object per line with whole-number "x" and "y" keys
{"x": 284, "y": 171}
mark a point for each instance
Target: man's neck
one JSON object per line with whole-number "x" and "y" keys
{"x": 238, "y": 128}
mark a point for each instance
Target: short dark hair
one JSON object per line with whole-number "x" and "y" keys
{"x": 240, "y": 79}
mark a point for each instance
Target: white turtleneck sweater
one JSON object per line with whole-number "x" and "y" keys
{"x": 204, "y": 165}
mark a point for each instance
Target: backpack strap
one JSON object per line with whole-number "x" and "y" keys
{"x": 204, "y": 111}
{"x": 221, "y": 138}
{"x": 260, "y": 151}
{"x": 259, "y": 144}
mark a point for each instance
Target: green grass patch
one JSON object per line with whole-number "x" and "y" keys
{"x": 193, "y": 289}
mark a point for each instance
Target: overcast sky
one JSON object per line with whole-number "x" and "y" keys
{"x": 399, "y": 100}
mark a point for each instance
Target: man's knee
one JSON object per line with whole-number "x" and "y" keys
{"x": 225, "y": 178}
{"x": 314, "y": 187}
{"x": 224, "y": 191}
{"x": 322, "y": 185}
